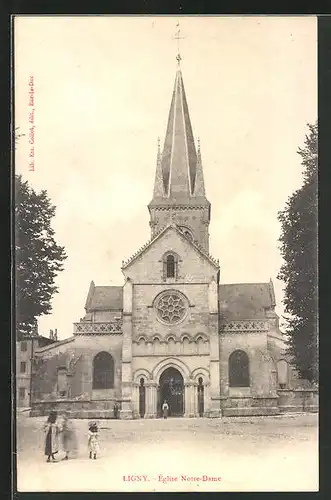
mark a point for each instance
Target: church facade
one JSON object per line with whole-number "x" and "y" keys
{"x": 173, "y": 331}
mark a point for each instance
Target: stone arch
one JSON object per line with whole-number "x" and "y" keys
{"x": 200, "y": 372}
{"x": 202, "y": 336}
{"x": 174, "y": 363}
{"x": 141, "y": 373}
{"x": 171, "y": 336}
{"x": 141, "y": 337}
{"x": 170, "y": 252}
{"x": 170, "y": 261}
{"x": 156, "y": 337}
{"x": 185, "y": 336}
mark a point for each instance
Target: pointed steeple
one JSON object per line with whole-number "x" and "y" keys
{"x": 179, "y": 178}
{"x": 179, "y": 157}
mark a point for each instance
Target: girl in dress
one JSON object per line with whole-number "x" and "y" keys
{"x": 69, "y": 441}
{"x": 52, "y": 437}
{"x": 93, "y": 439}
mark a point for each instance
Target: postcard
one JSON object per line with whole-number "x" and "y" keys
{"x": 165, "y": 199}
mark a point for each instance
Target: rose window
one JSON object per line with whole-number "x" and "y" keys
{"x": 171, "y": 307}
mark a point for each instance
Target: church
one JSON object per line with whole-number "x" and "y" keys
{"x": 173, "y": 331}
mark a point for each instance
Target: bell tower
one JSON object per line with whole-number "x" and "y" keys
{"x": 179, "y": 191}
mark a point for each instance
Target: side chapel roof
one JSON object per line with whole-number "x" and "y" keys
{"x": 246, "y": 300}
{"x": 237, "y": 301}
{"x": 101, "y": 298}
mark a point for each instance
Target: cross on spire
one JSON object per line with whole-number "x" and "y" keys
{"x": 178, "y": 37}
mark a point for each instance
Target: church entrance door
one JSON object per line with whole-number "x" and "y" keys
{"x": 171, "y": 389}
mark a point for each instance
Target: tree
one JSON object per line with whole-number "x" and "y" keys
{"x": 299, "y": 271}
{"x": 38, "y": 257}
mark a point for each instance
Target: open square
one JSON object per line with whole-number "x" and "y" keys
{"x": 278, "y": 453}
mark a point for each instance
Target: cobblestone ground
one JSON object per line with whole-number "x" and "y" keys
{"x": 244, "y": 454}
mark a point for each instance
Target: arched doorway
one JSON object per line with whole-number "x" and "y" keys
{"x": 171, "y": 389}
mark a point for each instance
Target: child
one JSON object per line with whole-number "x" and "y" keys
{"x": 93, "y": 439}
{"x": 52, "y": 437}
{"x": 165, "y": 409}
{"x": 69, "y": 441}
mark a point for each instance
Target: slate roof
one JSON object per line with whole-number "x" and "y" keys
{"x": 179, "y": 173}
{"x": 237, "y": 301}
{"x": 246, "y": 300}
{"x": 101, "y": 298}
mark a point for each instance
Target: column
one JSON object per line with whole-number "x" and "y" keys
{"x": 189, "y": 400}
{"x": 154, "y": 399}
{"x": 214, "y": 369}
{"x": 126, "y": 410}
{"x": 207, "y": 399}
{"x": 151, "y": 400}
{"x": 195, "y": 399}
{"x": 135, "y": 400}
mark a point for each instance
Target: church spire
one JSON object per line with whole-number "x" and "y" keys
{"x": 180, "y": 168}
{"x": 179, "y": 182}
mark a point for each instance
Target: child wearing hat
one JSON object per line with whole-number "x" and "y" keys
{"x": 93, "y": 439}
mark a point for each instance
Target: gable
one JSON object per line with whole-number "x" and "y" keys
{"x": 193, "y": 264}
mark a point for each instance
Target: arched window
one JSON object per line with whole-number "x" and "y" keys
{"x": 103, "y": 371}
{"x": 238, "y": 369}
{"x": 170, "y": 266}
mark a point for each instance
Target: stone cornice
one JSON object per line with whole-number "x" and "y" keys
{"x": 245, "y": 326}
{"x": 98, "y": 328}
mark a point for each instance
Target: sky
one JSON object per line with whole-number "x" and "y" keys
{"x": 102, "y": 88}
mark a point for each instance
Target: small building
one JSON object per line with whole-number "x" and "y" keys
{"x": 25, "y": 352}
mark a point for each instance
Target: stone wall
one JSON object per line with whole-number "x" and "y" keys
{"x": 260, "y": 363}
{"x": 75, "y": 408}
{"x": 144, "y": 318}
{"x": 77, "y": 357}
{"x": 106, "y": 315}
{"x": 187, "y": 366}
{"x": 196, "y": 220}
{"x": 192, "y": 266}
{"x": 298, "y": 400}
